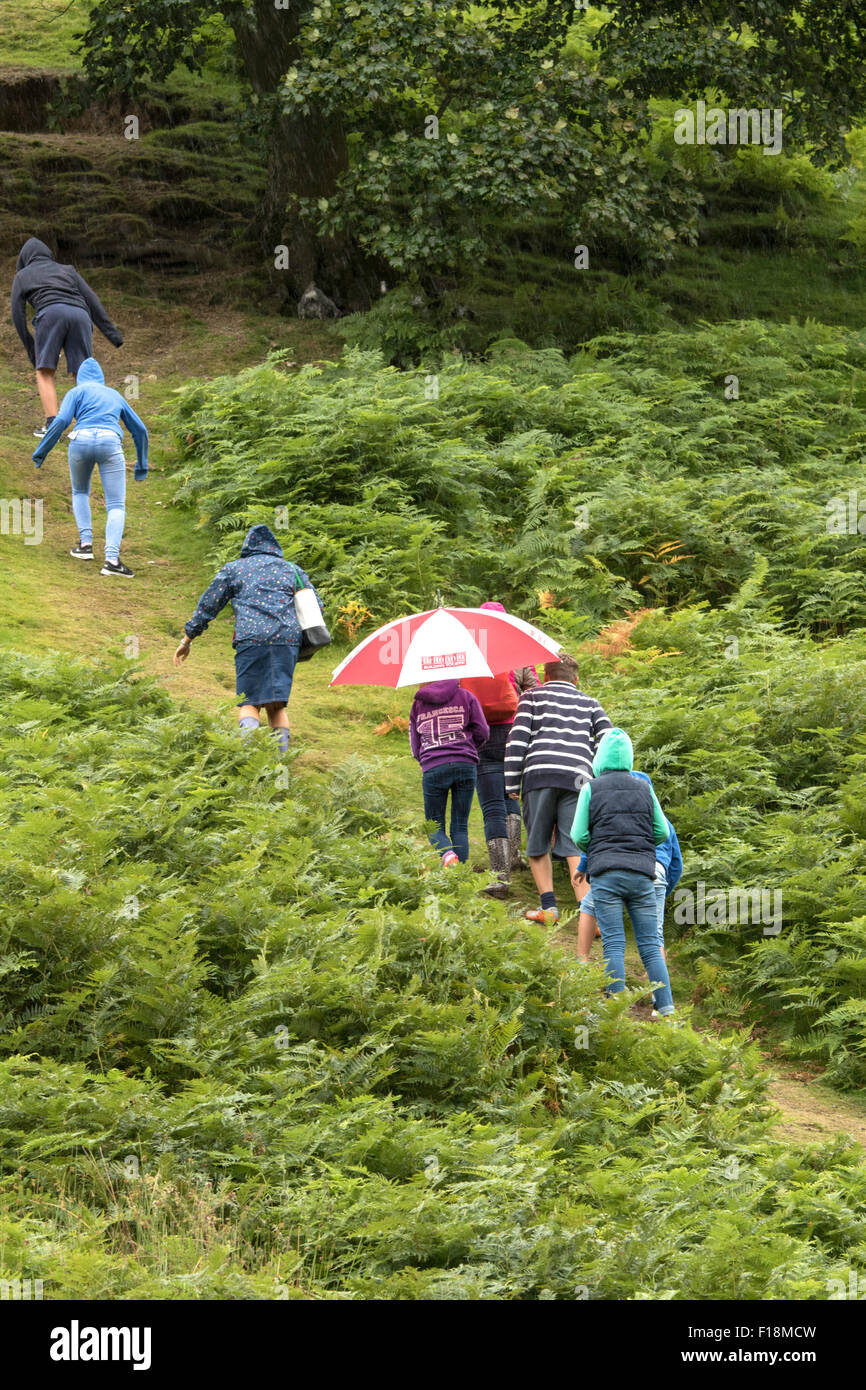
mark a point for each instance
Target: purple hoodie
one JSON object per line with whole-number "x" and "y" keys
{"x": 446, "y": 725}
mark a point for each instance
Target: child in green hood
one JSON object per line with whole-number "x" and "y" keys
{"x": 619, "y": 822}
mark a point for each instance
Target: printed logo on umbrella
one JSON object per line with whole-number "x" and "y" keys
{"x": 440, "y": 663}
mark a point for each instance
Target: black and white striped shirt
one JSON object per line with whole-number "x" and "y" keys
{"x": 553, "y": 738}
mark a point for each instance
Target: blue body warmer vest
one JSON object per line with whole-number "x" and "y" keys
{"x": 620, "y": 825}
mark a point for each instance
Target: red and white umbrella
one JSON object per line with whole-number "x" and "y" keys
{"x": 442, "y": 643}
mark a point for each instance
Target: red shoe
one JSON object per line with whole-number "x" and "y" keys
{"x": 449, "y": 858}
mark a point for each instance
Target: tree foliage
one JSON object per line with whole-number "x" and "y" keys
{"x": 406, "y": 130}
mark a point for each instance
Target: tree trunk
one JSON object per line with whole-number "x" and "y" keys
{"x": 306, "y": 155}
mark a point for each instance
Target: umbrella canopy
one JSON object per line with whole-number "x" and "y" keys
{"x": 444, "y": 642}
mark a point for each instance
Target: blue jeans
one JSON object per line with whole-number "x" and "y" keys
{"x": 437, "y": 782}
{"x": 610, "y": 890}
{"x": 98, "y": 449}
{"x": 495, "y": 805}
{"x": 661, "y": 892}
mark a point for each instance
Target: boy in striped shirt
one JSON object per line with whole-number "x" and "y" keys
{"x": 547, "y": 759}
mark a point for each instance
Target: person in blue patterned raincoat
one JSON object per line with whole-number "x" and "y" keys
{"x": 261, "y": 587}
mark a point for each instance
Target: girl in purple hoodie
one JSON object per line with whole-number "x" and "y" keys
{"x": 446, "y": 729}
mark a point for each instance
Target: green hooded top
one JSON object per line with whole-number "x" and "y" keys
{"x": 615, "y": 753}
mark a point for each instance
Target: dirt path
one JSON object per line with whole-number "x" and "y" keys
{"x": 812, "y": 1112}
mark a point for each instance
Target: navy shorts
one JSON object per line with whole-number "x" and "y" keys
{"x": 66, "y": 327}
{"x": 546, "y": 809}
{"x": 264, "y": 673}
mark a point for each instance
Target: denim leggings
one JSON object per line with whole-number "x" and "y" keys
{"x": 610, "y": 891}
{"x": 495, "y": 805}
{"x": 98, "y": 449}
{"x": 437, "y": 782}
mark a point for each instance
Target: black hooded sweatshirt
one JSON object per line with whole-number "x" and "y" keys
{"x": 39, "y": 280}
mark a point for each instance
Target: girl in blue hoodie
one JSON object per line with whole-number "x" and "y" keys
{"x": 669, "y": 869}
{"x": 99, "y": 413}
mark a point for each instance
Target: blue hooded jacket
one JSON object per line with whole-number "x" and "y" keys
{"x": 668, "y": 853}
{"x": 261, "y": 586}
{"x": 95, "y": 406}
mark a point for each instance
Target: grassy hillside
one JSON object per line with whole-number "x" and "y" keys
{"x": 579, "y": 492}
{"x": 321, "y": 1068}
{"x": 41, "y": 36}
{"x": 255, "y": 1045}
{"x": 255, "y": 1042}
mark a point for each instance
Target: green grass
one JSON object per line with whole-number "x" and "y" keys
{"x": 41, "y": 34}
{"x": 753, "y": 259}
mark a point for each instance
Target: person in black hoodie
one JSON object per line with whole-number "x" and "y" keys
{"x": 65, "y": 309}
